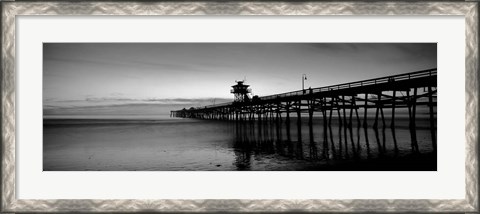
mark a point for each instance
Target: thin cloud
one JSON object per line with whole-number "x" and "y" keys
{"x": 113, "y": 101}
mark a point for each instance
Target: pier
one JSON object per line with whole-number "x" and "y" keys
{"x": 348, "y": 103}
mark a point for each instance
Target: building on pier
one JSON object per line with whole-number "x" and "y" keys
{"x": 241, "y": 92}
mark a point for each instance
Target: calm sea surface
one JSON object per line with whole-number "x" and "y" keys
{"x": 175, "y": 144}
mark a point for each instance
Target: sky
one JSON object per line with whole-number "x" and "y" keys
{"x": 79, "y": 77}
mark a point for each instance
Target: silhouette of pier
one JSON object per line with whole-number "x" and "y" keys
{"x": 341, "y": 102}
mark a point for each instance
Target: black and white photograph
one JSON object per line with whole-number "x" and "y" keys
{"x": 239, "y": 106}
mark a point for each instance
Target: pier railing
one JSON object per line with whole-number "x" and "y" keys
{"x": 368, "y": 82}
{"x": 399, "y": 77}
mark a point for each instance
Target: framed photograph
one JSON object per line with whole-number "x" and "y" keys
{"x": 239, "y": 106}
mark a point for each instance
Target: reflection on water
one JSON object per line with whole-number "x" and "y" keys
{"x": 188, "y": 144}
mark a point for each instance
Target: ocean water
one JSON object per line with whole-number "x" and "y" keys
{"x": 179, "y": 144}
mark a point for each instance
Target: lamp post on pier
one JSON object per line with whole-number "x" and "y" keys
{"x": 304, "y": 77}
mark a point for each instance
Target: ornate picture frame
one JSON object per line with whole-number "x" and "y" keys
{"x": 11, "y": 10}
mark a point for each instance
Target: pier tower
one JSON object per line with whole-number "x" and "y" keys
{"x": 241, "y": 92}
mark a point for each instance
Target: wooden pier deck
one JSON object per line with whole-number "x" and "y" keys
{"x": 408, "y": 91}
